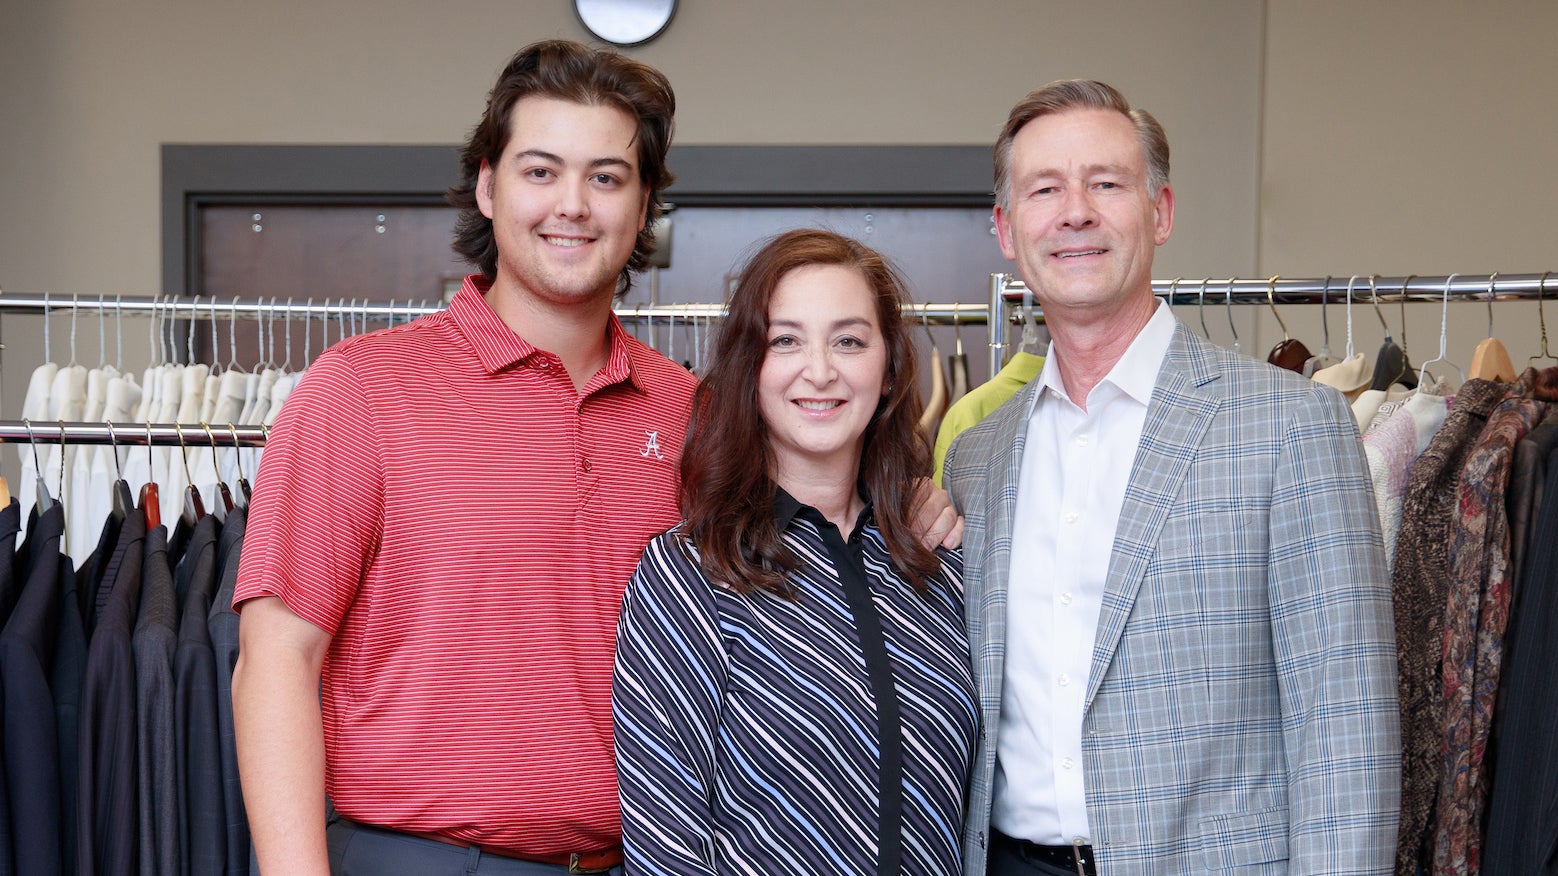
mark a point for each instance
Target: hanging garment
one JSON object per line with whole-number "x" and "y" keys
{"x": 153, "y": 642}
{"x": 222, "y": 624}
{"x": 1391, "y": 450}
{"x": 1475, "y": 618}
{"x": 30, "y": 768}
{"x": 1527, "y": 478}
{"x": 1349, "y": 377}
{"x": 197, "y": 729}
{"x": 1391, "y": 367}
{"x": 67, "y": 679}
{"x": 1523, "y": 815}
{"x": 10, "y": 586}
{"x": 106, "y": 809}
{"x": 1018, "y": 372}
{"x": 1419, "y": 591}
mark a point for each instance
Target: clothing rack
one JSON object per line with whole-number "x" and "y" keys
{"x": 1007, "y": 292}
{"x": 207, "y": 308}
{"x": 134, "y": 434}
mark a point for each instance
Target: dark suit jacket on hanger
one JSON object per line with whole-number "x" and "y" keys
{"x": 154, "y": 639}
{"x": 31, "y": 768}
{"x": 1523, "y": 817}
{"x": 223, "y": 626}
{"x": 197, "y": 730}
{"x": 106, "y": 833}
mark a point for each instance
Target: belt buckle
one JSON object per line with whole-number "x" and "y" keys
{"x": 574, "y": 865}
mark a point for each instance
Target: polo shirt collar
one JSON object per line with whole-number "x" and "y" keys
{"x": 499, "y": 347}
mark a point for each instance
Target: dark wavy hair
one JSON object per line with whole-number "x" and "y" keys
{"x": 576, "y": 73}
{"x": 727, "y": 494}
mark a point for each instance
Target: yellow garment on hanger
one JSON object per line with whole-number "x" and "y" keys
{"x": 1018, "y": 372}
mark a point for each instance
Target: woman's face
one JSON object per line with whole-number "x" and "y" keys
{"x": 824, "y": 372}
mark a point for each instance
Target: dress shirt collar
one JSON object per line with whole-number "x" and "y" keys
{"x": 500, "y": 347}
{"x": 1135, "y": 374}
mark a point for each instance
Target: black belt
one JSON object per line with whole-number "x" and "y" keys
{"x": 1072, "y": 857}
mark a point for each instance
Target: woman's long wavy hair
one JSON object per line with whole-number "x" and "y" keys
{"x": 727, "y": 494}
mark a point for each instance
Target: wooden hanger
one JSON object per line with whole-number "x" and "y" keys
{"x": 150, "y": 504}
{"x": 1491, "y": 360}
{"x": 1288, "y": 354}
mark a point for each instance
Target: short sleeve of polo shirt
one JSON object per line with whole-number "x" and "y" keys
{"x": 315, "y": 519}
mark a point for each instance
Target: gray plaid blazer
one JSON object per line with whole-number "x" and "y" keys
{"x": 1241, "y": 708}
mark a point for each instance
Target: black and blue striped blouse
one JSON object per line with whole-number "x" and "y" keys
{"x": 829, "y": 733}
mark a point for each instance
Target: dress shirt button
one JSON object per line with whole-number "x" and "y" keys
{"x": 585, "y": 465}
{"x": 1065, "y": 599}
{"x": 1081, "y": 440}
{"x": 544, "y": 365}
{"x": 1071, "y": 516}
{"x": 1064, "y": 679}
{"x": 1066, "y": 763}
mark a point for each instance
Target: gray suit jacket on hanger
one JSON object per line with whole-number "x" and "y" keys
{"x": 1241, "y": 708}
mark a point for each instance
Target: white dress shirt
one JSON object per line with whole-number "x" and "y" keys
{"x": 1075, "y": 468}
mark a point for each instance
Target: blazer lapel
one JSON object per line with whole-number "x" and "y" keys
{"x": 1177, "y": 416}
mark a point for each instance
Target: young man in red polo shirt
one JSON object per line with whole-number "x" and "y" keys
{"x": 448, "y": 512}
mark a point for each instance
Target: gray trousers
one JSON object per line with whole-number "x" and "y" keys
{"x": 359, "y": 850}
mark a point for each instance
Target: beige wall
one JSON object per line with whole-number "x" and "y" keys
{"x": 1311, "y": 137}
{"x": 1411, "y": 136}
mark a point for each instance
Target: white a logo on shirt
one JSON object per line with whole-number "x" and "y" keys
{"x": 651, "y": 445}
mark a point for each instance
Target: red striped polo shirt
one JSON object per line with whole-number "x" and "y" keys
{"x": 439, "y": 499}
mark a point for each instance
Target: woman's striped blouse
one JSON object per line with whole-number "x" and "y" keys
{"x": 830, "y": 733}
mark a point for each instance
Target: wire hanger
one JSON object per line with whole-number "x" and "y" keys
{"x": 123, "y": 502}
{"x": 102, "y": 330}
{"x": 1391, "y": 365}
{"x": 46, "y": 355}
{"x": 1201, "y": 308}
{"x": 42, "y": 499}
{"x": 1030, "y": 322}
{"x": 75, "y": 308}
{"x": 1325, "y": 320}
{"x": 243, "y": 482}
{"x": 1350, "y": 281}
{"x": 1444, "y": 328}
{"x": 221, "y": 485}
{"x": 1541, "y": 315}
{"x": 232, "y": 340}
{"x": 194, "y": 508}
{"x": 1228, "y": 307}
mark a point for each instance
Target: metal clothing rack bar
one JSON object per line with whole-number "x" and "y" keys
{"x": 134, "y": 434}
{"x": 205, "y": 308}
{"x": 1286, "y": 290}
{"x": 1006, "y": 292}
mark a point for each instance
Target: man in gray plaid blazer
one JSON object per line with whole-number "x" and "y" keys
{"x": 1176, "y": 590}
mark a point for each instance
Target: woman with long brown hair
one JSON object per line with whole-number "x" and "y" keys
{"x": 792, "y": 691}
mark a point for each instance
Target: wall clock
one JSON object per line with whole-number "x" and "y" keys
{"x": 625, "y": 22}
